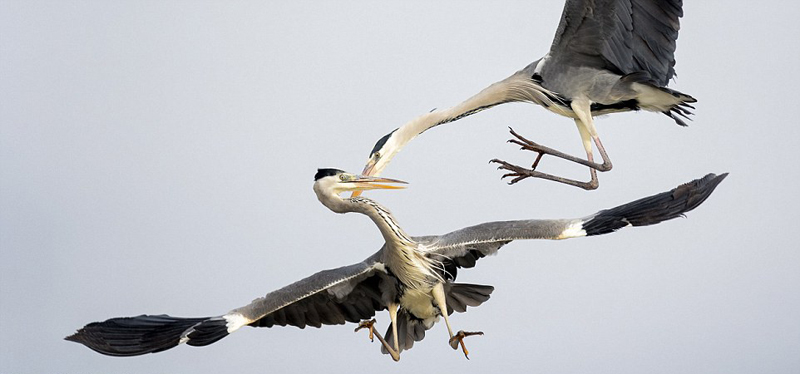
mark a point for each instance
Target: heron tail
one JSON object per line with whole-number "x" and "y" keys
{"x": 461, "y": 295}
{"x": 409, "y": 330}
{"x": 656, "y": 98}
{"x": 654, "y": 209}
{"x": 133, "y": 336}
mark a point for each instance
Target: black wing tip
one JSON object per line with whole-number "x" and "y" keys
{"x": 656, "y": 208}
{"x": 134, "y": 336}
{"x": 697, "y": 191}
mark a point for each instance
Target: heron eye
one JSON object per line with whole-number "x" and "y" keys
{"x": 377, "y": 155}
{"x": 343, "y": 177}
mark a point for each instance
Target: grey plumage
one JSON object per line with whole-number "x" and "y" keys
{"x": 607, "y": 56}
{"x": 626, "y": 36}
{"x": 356, "y": 292}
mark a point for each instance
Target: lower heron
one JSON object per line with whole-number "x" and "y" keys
{"x": 413, "y": 278}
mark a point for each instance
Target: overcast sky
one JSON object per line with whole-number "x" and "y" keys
{"x": 157, "y": 157}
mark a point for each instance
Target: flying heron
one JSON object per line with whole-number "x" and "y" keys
{"x": 410, "y": 277}
{"x": 608, "y": 56}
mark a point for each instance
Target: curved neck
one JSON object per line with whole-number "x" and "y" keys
{"x": 412, "y": 268}
{"x": 382, "y": 217}
{"x": 518, "y": 87}
{"x": 495, "y": 94}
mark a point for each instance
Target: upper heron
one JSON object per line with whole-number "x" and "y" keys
{"x": 608, "y": 56}
{"x": 410, "y": 277}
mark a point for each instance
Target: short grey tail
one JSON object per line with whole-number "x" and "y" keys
{"x": 680, "y": 110}
{"x": 409, "y": 330}
{"x": 654, "y": 209}
{"x": 461, "y": 295}
{"x": 458, "y": 297}
{"x": 133, "y": 336}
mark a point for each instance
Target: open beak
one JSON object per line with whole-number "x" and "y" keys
{"x": 368, "y": 168}
{"x": 366, "y": 182}
{"x": 366, "y": 173}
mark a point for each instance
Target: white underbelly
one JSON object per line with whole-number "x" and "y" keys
{"x": 420, "y": 304}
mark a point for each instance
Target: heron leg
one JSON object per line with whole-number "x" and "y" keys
{"x": 588, "y": 134}
{"x": 519, "y": 173}
{"x": 458, "y": 338}
{"x": 393, "y": 316}
{"x": 370, "y": 326}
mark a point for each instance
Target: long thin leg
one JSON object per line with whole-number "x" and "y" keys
{"x": 370, "y": 326}
{"x": 585, "y": 123}
{"x": 588, "y": 134}
{"x": 393, "y": 315}
{"x": 458, "y": 338}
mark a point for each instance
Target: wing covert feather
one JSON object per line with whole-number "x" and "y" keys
{"x": 623, "y": 36}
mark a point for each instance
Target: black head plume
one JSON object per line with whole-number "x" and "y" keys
{"x": 381, "y": 142}
{"x": 327, "y": 172}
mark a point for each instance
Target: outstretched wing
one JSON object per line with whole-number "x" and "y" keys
{"x": 624, "y": 36}
{"x": 335, "y": 296}
{"x": 464, "y": 247}
{"x": 331, "y": 297}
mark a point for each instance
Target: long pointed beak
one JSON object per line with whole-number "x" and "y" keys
{"x": 366, "y": 182}
{"x": 367, "y": 172}
{"x": 369, "y": 167}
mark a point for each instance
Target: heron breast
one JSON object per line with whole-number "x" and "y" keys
{"x": 419, "y": 303}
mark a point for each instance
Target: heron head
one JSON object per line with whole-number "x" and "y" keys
{"x": 382, "y": 153}
{"x": 337, "y": 181}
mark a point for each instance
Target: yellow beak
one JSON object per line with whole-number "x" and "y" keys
{"x": 366, "y": 182}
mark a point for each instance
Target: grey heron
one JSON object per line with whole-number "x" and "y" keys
{"x": 410, "y": 277}
{"x": 608, "y": 56}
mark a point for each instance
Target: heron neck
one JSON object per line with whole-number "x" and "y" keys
{"x": 382, "y": 217}
{"x": 412, "y": 268}
{"x": 517, "y": 87}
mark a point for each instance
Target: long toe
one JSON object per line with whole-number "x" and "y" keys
{"x": 370, "y": 326}
{"x": 458, "y": 339}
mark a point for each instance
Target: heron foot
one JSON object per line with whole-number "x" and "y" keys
{"x": 519, "y": 173}
{"x": 370, "y": 326}
{"x": 458, "y": 339}
{"x": 529, "y": 145}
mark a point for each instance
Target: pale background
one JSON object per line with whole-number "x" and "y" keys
{"x": 157, "y": 157}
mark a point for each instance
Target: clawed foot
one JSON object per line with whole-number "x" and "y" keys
{"x": 370, "y": 325}
{"x": 518, "y": 173}
{"x": 458, "y": 339}
{"x": 526, "y": 144}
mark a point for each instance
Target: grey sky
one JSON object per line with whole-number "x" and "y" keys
{"x": 157, "y": 157}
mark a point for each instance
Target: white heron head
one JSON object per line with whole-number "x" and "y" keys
{"x": 331, "y": 182}
{"x": 383, "y": 152}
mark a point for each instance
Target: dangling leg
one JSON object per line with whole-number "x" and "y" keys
{"x": 458, "y": 338}
{"x": 588, "y": 133}
{"x": 393, "y": 315}
{"x": 370, "y": 326}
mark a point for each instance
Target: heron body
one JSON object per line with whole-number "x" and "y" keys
{"x": 608, "y": 56}
{"x": 411, "y": 277}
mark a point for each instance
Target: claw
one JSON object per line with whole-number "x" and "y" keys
{"x": 458, "y": 339}
{"x": 367, "y": 325}
{"x": 519, "y": 173}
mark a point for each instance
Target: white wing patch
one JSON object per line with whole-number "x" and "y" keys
{"x": 574, "y": 230}
{"x": 234, "y": 321}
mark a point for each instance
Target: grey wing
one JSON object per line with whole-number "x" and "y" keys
{"x": 623, "y": 36}
{"x": 464, "y": 247}
{"x": 330, "y": 297}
